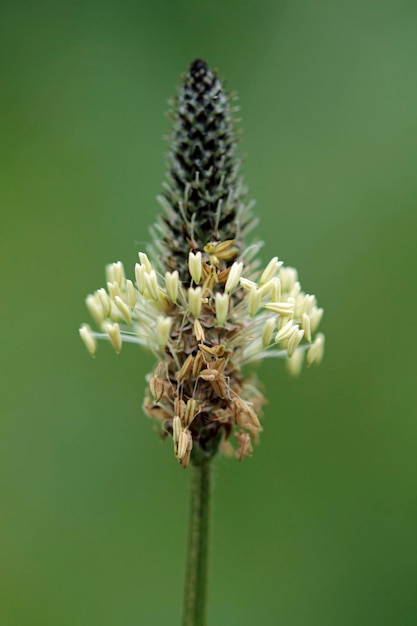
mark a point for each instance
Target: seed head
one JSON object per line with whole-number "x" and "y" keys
{"x": 200, "y": 301}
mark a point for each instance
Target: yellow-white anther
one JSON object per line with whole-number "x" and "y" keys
{"x": 163, "y": 329}
{"x": 222, "y": 308}
{"x": 124, "y": 309}
{"x": 113, "y": 331}
{"x": 195, "y": 266}
{"x": 280, "y": 308}
{"x": 234, "y": 277}
{"x": 194, "y": 300}
{"x": 275, "y": 290}
{"x": 315, "y": 353}
{"x": 104, "y": 301}
{"x": 315, "y": 317}
{"x": 296, "y": 289}
{"x": 176, "y": 431}
{"x": 114, "y": 289}
{"x": 294, "y": 341}
{"x": 254, "y": 298}
{"x": 115, "y": 273}
{"x": 288, "y": 276}
{"x": 94, "y": 306}
{"x": 295, "y": 363}
{"x": 270, "y": 270}
{"x": 307, "y": 326}
{"x": 309, "y": 303}
{"x": 140, "y": 272}
{"x": 119, "y": 273}
{"x": 152, "y": 286}
{"x": 267, "y": 331}
{"x": 131, "y": 293}
{"x": 88, "y": 339}
{"x": 110, "y": 277}
{"x": 143, "y": 258}
{"x": 172, "y": 284}
{"x": 247, "y": 284}
{"x": 272, "y": 289}
{"x": 285, "y": 331}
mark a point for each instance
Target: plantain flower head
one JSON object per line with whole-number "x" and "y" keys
{"x": 199, "y": 298}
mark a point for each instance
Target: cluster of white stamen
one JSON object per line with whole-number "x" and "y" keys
{"x": 275, "y": 316}
{"x": 295, "y": 317}
{"x": 129, "y": 313}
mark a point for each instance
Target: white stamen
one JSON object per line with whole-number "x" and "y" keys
{"x": 296, "y": 289}
{"x": 131, "y": 293}
{"x": 194, "y": 300}
{"x": 287, "y": 276}
{"x": 119, "y": 273}
{"x": 172, "y": 285}
{"x": 270, "y": 270}
{"x": 222, "y": 308}
{"x": 315, "y": 353}
{"x": 124, "y": 309}
{"x": 267, "y": 331}
{"x": 105, "y": 301}
{"x": 114, "y": 289}
{"x": 151, "y": 281}
{"x": 195, "y": 266}
{"x": 254, "y": 301}
{"x": 309, "y": 303}
{"x": 315, "y": 317}
{"x": 143, "y": 258}
{"x": 113, "y": 331}
{"x": 285, "y": 332}
{"x": 140, "y": 272}
{"x": 280, "y": 308}
{"x": 294, "y": 340}
{"x": 110, "y": 277}
{"x": 295, "y": 363}
{"x": 88, "y": 339}
{"x": 275, "y": 290}
{"x": 307, "y": 326}
{"x": 234, "y": 277}
{"x": 247, "y": 284}
{"x": 94, "y": 306}
{"x": 163, "y": 329}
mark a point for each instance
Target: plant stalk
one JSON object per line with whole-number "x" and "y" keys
{"x": 196, "y": 574}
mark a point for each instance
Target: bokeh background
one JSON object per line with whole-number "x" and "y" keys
{"x": 319, "y": 527}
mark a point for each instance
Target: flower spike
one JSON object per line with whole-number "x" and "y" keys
{"x": 199, "y": 301}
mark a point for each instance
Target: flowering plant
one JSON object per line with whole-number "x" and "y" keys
{"x": 204, "y": 306}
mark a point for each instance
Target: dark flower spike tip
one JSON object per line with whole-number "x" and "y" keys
{"x": 204, "y": 198}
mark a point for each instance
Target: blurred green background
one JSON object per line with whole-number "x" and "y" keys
{"x": 319, "y": 527}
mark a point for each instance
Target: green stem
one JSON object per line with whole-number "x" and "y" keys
{"x": 195, "y": 596}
